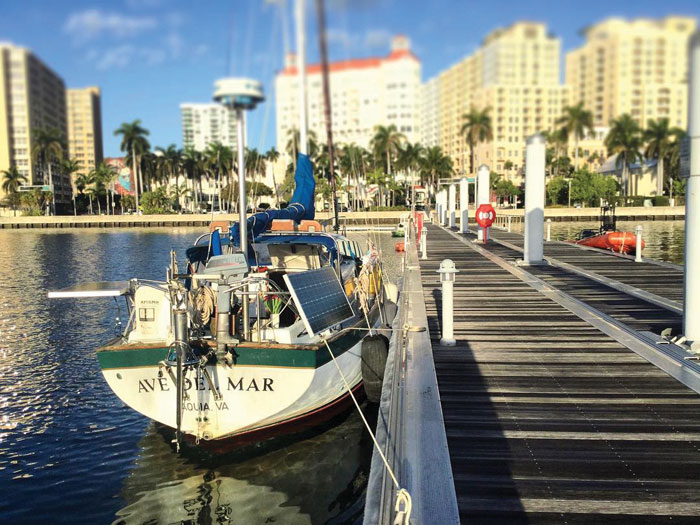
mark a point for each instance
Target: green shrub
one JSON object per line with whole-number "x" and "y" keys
{"x": 660, "y": 200}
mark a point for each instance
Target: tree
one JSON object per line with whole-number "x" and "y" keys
{"x": 69, "y": 167}
{"x": 674, "y": 158}
{"x": 134, "y": 143}
{"x": 658, "y": 139}
{"x": 218, "y": 159}
{"x": 386, "y": 142}
{"x": 476, "y": 128}
{"x": 625, "y": 141}
{"x": 271, "y": 156}
{"x": 156, "y": 202}
{"x": 437, "y": 164}
{"x": 292, "y": 147}
{"x": 410, "y": 159}
{"x": 47, "y": 149}
{"x": 576, "y": 121}
{"x": 558, "y": 190}
{"x": 170, "y": 160}
{"x": 12, "y": 179}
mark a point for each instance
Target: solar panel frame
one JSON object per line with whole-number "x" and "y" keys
{"x": 320, "y": 298}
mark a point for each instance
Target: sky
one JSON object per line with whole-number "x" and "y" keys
{"x": 148, "y": 56}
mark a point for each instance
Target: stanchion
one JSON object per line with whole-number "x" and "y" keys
{"x": 638, "y": 248}
{"x": 549, "y": 229}
{"x": 424, "y": 243}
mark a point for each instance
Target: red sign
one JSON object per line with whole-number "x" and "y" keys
{"x": 485, "y": 215}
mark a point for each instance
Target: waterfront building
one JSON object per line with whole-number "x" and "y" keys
{"x": 639, "y": 67}
{"x": 32, "y": 98}
{"x": 365, "y": 93}
{"x": 204, "y": 123}
{"x": 430, "y": 113}
{"x": 514, "y": 73}
{"x": 85, "y": 127}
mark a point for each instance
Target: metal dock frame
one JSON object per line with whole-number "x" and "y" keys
{"x": 410, "y": 426}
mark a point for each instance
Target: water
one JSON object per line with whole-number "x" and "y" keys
{"x": 664, "y": 239}
{"x": 71, "y": 451}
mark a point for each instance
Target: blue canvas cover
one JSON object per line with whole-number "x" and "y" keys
{"x": 301, "y": 206}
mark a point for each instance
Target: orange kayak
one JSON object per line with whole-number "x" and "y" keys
{"x": 619, "y": 242}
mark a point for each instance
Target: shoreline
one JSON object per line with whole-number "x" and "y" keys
{"x": 372, "y": 218}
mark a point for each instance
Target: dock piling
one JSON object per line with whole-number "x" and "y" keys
{"x": 482, "y": 197}
{"x": 691, "y": 301}
{"x": 534, "y": 199}
{"x": 549, "y": 230}
{"x": 452, "y": 205}
{"x": 463, "y": 205}
{"x": 509, "y": 223}
{"x": 424, "y": 243}
{"x": 638, "y": 248}
{"x": 447, "y": 273}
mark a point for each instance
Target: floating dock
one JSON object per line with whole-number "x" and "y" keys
{"x": 560, "y": 402}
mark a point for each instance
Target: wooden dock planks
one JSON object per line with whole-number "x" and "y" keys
{"x": 548, "y": 419}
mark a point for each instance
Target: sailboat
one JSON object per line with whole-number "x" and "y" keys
{"x": 267, "y": 329}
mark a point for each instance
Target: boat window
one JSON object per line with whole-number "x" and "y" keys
{"x": 298, "y": 256}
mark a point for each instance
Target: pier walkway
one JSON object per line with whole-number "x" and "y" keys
{"x": 552, "y": 409}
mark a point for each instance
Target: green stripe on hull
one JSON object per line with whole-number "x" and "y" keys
{"x": 245, "y": 356}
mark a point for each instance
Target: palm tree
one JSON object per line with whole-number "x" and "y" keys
{"x": 170, "y": 160}
{"x": 674, "y": 155}
{"x": 624, "y": 140}
{"x": 12, "y": 179}
{"x": 69, "y": 167}
{"x": 106, "y": 174}
{"x": 386, "y": 141}
{"x": 82, "y": 181}
{"x": 219, "y": 159}
{"x": 134, "y": 142}
{"x": 410, "y": 159}
{"x": 476, "y": 128}
{"x": 436, "y": 164}
{"x": 47, "y": 149}
{"x": 575, "y": 122}
{"x": 271, "y": 156}
{"x": 292, "y": 147}
{"x": 193, "y": 166}
{"x": 658, "y": 138}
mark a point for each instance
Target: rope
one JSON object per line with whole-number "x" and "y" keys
{"x": 403, "y": 497}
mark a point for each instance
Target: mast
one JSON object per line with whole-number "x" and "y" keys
{"x": 327, "y": 103}
{"x": 301, "y": 73}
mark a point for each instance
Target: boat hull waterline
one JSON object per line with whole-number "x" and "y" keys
{"x": 618, "y": 242}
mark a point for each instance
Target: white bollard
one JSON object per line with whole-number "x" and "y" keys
{"x": 463, "y": 205}
{"x": 482, "y": 197}
{"x": 638, "y": 248}
{"x": 424, "y": 243}
{"x": 534, "y": 199}
{"x": 447, "y": 273}
{"x": 549, "y": 229}
{"x": 691, "y": 301}
{"x": 509, "y": 221}
{"x": 452, "y": 205}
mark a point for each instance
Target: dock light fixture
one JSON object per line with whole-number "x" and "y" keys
{"x": 447, "y": 273}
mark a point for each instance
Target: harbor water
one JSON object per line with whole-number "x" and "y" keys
{"x": 72, "y": 452}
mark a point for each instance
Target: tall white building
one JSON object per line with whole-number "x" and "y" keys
{"x": 430, "y": 113}
{"x": 365, "y": 93}
{"x": 203, "y": 124}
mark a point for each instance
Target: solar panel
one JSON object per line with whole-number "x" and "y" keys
{"x": 319, "y": 297}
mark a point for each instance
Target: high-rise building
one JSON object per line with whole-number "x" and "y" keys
{"x": 85, "y": 127}
{"x": 639, "y": 67}
{"x": 515, "y": 74}
{"x": 430, "y": 113}
{"x": 32, "y": 98}
{"x": 365, "y": 93}
{"x": 203, "y": 124}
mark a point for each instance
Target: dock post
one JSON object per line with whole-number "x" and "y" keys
{"x": 509, "y": 221}
{"x": 424, "y": 243}
{"x": 549, "y": 230}
{"x": 638, "y": 248}
{"x": 452, "y": 205}
{"x": 463, "y": 205}
{"x": 447, "y": 273}
{"x": 482, "y": 197}
{"x": 534, "y": 199}
{"x": 691, "y": 281}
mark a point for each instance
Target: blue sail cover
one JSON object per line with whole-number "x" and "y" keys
{"x": 301, "y": 206}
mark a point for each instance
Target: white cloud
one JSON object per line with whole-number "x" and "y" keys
{"x": 93, "y": 23}
{"x": 340, "y": 37}
{"x": 377, "y": 39}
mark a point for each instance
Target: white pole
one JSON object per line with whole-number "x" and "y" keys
{"x": 482, "y": 192}
{"x": 509, "y": 221}
{"x": 691, "y": 302}
{"x": 463, "y": 205}
{"x": 549, "y": 230}
{"x": 447, "y": 273}
{"x": 301, "y": 73}
{"x": 534, "y": 199}
{"x": 638, "y": 248}
{"x": 452, "y": 205}
{"x": 424, "y": 243}
{"x": 242, "y": 217}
